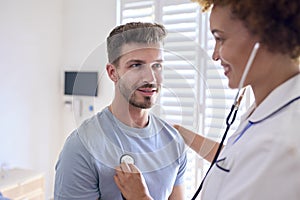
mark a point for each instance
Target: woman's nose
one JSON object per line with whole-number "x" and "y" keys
{"x": 216, "y": 55}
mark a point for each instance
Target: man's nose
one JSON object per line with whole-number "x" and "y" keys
{"x": 149, "y": 75}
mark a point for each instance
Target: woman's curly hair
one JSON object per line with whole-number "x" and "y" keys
{"x": 275, "y": 22}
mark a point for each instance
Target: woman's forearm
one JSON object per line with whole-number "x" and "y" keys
{"x": 203, "y": 146}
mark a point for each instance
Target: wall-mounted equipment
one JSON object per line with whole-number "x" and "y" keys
{"x": 81, "y": 83}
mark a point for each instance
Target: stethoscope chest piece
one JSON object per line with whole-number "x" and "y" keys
{"x": 126, "y": 158}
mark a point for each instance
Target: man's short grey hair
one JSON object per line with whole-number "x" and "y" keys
{"x": 133, "y": 32}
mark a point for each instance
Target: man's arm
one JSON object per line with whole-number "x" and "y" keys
{"x": 75, "y": 176}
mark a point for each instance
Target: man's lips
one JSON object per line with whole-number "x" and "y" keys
{"x": 147, "y": 91}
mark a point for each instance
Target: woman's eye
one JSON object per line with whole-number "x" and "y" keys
{"x": 219, "y": 39}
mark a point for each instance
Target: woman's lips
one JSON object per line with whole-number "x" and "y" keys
{"x": 226, "y": 69}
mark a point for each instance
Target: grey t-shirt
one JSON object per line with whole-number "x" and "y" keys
{"x": 85, "y": 168}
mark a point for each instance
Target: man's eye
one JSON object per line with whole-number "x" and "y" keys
{"x": 157, "y": 65}
{"x": 136, "y": 65}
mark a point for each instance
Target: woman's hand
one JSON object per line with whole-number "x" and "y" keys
{"x": 131, "y": 182}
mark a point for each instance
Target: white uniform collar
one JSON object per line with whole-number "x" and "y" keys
{"x": 283, "y": 94}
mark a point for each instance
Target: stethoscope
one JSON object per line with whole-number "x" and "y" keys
{"x": 232, "y": 114}
{"x": 126, "y": 158}
{"x": 229, "y": 120}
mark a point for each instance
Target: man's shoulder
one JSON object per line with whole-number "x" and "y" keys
{"x": 164, "y": 127}
{"x": 158, "y": 121}
{"x": 90, "y": 130}
{"x": 91, "y": 136}
{"x": 92, "y": 123}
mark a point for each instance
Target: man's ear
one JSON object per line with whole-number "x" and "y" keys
{"x": 112, "y": 72}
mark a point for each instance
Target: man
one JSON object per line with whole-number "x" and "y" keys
{"x": 2, "y": 197}
{"x": 125, "y": 129}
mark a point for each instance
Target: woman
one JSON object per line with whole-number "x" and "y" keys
{"x": 261, "y": 160}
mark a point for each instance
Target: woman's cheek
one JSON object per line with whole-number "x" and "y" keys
{"x": 223, "y": 54}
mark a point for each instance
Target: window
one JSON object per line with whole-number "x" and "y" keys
{"x": 195, "y": 92}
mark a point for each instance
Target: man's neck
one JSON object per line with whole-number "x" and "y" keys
{"x": 130, "y": 115}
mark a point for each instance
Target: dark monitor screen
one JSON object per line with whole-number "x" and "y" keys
{"x": 81, "y": 83}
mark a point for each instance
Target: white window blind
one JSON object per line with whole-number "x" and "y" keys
{"x": 195, "y": 92}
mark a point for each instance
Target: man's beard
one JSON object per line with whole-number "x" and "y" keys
{"x": 143, "y": 105}
{"x": 130, "y": 96}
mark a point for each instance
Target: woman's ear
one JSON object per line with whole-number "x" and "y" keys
{"x": 112, "y": 72}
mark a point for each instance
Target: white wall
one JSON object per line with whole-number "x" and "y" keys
{"x": 86, "y": 26}
{"x": 39, "y": 39}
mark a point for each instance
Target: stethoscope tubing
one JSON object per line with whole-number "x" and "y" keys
{"x": 229, "y": 123}
{"x": 233, "y": 110}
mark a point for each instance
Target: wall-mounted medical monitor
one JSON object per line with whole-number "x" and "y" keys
{"x": 81, "y": 83}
